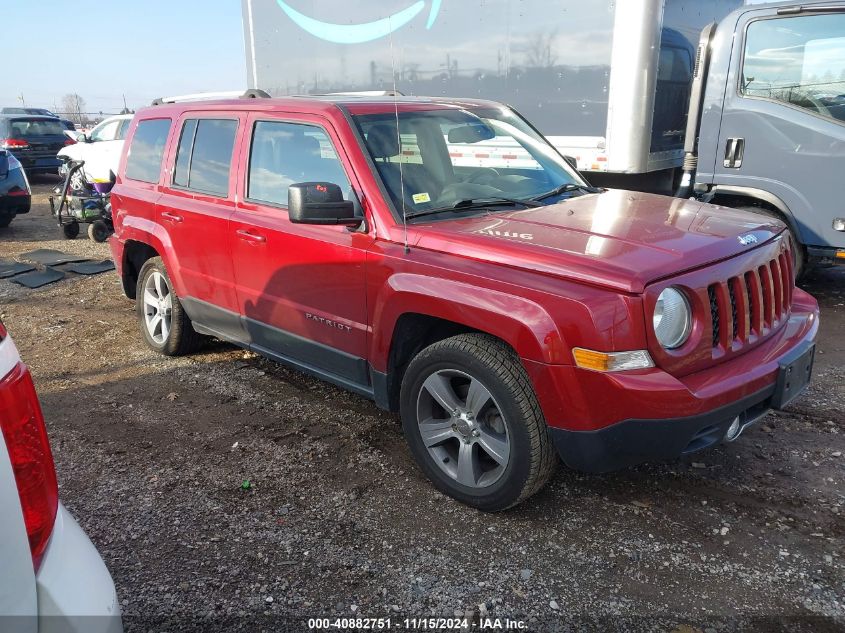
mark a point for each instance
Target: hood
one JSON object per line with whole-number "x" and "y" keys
{"x": 619, "y": 239}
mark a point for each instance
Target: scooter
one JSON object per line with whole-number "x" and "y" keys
{"x": 83, "y": 202}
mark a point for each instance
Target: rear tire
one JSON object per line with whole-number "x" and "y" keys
{"x": 6, "y": 220}
{"x": 505, "y": 439}
{"x": 71, "y": 230}
{"x": 164, "y": 324}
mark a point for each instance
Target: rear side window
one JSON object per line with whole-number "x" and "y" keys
{"x": 283, "y": 154}
{"x": 204, "y": 156}
{"x": 146, "y": 150}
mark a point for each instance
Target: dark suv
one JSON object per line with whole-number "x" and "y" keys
{"x": 442, "y": 258}
{"x": 34, "y": 140}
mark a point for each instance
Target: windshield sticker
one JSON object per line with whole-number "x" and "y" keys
{"x": 421, "y": 198}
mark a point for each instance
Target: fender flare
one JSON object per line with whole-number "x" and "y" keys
{"x": 521, "y": 323}
{"x": 762, "y": 195}
{"x": 145, "y": 231}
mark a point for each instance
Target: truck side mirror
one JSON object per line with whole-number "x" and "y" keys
{"x": 320, "y": 203}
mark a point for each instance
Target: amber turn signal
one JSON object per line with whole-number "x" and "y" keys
{"x": 611, "y": 361}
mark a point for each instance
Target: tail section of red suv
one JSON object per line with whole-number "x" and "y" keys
{"x": 52, "y": 577}
{"x": 442, "y": 258}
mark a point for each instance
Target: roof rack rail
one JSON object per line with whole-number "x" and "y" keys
{"x": 359, "y": 93}
{"x": 252, "y": 93}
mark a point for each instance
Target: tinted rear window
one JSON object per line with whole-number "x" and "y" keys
{"x": 146, "y": 150}
{"x": 27, "y": 128}
{"x": 205, "y": 155}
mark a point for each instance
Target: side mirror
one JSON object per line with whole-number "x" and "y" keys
{"x": 572, "y": 162}
{"x": 4, "y": 165}
{"x": 320, "y": 203}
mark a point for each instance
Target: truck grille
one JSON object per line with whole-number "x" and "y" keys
{"x": 748, "y": 307}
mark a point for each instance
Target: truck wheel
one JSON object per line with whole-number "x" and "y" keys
{"x": 98, "y": 231}
{"x": 473, "y": 422}
{"x": 164, "y": 324}
{"x": 799, "y": 255}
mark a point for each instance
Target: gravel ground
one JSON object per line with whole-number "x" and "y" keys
{"x": 227, "y": 492}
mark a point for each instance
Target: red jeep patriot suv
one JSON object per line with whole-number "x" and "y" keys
{"x": 442, "y": 258}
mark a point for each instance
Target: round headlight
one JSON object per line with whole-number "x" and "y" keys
{"x": 672, "y": 318}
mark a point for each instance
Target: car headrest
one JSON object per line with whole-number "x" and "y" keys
{"x": 309, "y": 146}
{"x": 383, "y": 141}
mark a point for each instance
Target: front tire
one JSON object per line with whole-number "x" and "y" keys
{"x": 473, "y": 423}
{"x": 98, "y": 231}
{"x": 164, "y": 324}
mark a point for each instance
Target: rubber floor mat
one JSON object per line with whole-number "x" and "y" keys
{"x": 10, "y": 269}
{"x": 91, "y": 268}
{"x": 38, "y": 278}
{"x": 49, "y": 257}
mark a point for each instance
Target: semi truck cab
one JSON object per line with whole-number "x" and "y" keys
{"x": 766, "y": 127}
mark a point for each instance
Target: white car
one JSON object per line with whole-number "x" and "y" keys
{"x": 100, "y": 149}
{"x": 52, "y": 579}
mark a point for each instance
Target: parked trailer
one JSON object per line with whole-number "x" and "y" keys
{"x": 753, "y": 95}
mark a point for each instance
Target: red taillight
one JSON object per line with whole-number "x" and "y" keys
{"x": 13, "y": 143}
{"x": 23, "y": 429}
{"x": 69, "y": 141}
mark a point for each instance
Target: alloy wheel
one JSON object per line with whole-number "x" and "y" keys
{"x": 463, "y": 428}
{"x": 158, "y": 307}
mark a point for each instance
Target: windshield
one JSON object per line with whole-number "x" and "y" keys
{"x": 452, "y": 156}
{"x": 27, "y": 128}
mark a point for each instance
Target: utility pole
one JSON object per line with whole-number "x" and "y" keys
{"x": 125, "y": 109}
{"x": 20, "y": 97}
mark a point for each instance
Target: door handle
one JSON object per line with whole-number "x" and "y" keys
{"x": 734, "y": 151}
{"x": 250, "y": 237}
{"x": 171, "y": 216}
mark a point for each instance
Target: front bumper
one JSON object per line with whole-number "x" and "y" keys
{"x": 823, "y": 256}
{"x": 603, "y": 421}
{"x": 636, "y": 441}
{"x": 75, "y": 590}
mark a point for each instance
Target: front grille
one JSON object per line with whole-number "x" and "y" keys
{"x": 749, "y": 306}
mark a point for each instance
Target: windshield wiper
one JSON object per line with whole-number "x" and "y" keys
{"x": 475, "y": 203}
{"x": 570, "y": 186}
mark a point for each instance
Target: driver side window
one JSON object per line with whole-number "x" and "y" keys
{"x": 283, "y": 154}
{"x": 799, "y": 61}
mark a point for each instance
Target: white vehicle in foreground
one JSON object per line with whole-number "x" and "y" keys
{"x": 100, "y": 149}
{"x": 52, "y": 579}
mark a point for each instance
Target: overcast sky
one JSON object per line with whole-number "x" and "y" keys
{"x": 103, "y": 49}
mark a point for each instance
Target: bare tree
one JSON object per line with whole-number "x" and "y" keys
{"x": 74, "y": 107}
{"x": 540, "y": 53}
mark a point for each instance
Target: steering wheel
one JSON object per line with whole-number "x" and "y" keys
{"x": 818, "y": 105}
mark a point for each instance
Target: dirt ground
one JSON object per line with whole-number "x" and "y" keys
{"x": 154, "y": 455}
